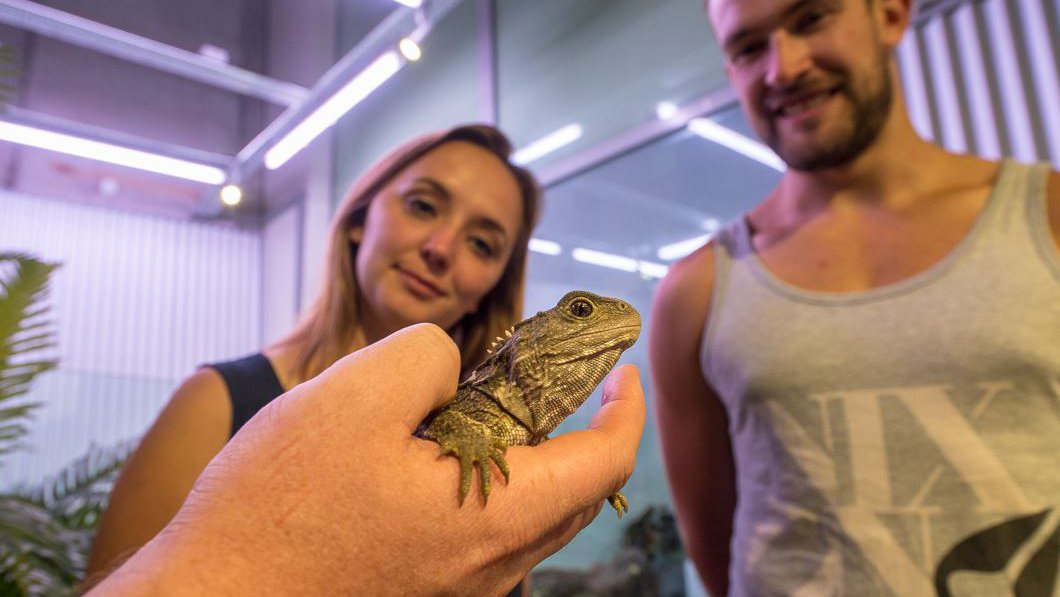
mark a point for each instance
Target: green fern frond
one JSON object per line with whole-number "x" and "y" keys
{"x": 25, "y": 332}
{"x": 46, "y": 531}
{"x": 38, "y": 556}
{"x": 77, "y": 496}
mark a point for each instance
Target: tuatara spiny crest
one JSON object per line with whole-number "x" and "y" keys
{"x": 540, "y": 373}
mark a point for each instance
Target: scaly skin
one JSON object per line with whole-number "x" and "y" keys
{"x": 536, "y": 377}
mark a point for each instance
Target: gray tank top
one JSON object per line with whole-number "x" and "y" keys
{"x": 903, "y": 440}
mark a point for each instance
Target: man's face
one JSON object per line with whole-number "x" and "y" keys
{"x": 811, "y": 74}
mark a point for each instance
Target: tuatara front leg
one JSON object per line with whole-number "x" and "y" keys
{"x": 472, "y": 443}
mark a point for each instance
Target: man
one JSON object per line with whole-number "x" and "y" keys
{"x": 858, "y": 383}
{"x": 327, "y": 492}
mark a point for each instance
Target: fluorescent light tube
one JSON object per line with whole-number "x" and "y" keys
{"x": 712, "y": 131}
{"x": 330, "y": 111}
{"x": 547, "y": 144}
{"x": 653, "y": 270}
{"x": 410, "y": 3}
{"x": 625, "y": 264}
{"x": 681, "y": 248}
{"x": 114, "y": 154}
{"x": 539, "y": 245}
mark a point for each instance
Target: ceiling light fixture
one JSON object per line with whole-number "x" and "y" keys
{"x": 231, "y": 195}
{"x": 681, "y": 248}
{"x": 712, "y": 131}
{"x": 547, "y": 247}
{"x": 107, "y": 152}
{"x": 410, "y": 49}
{"x": 652, "y": 270}
{"x": 665, "y": 110}
{"x": 600, "y": 258}
{"x": 619, "y": 262}
{"x": 410, "y": 3}
{"x": 547, "y": 144}
{"x": 330, "y": 111}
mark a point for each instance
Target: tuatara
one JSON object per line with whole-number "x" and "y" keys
{"x": 536, "y": 376}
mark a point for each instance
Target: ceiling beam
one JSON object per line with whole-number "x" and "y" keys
{"x": 82, "y": 32}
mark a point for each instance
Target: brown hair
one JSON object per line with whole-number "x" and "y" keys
{"x": 330, "y": 326}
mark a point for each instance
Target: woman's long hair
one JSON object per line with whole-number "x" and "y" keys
{"x": 329, "y": 327}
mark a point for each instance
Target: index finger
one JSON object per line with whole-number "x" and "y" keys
{"x": 400, "y": 378}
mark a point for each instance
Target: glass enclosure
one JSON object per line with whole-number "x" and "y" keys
{"x": 600, "y": 64}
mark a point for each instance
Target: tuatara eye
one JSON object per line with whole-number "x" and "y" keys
{"x": 581, "y": 308}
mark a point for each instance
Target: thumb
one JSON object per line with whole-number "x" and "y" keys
{"x": 402, "y": 377}
{"x": 577, "y": 470}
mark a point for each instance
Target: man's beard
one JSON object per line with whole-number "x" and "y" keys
{"x": 869, "y": 113}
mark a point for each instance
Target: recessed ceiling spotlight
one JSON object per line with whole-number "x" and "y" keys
{"x": 410, "y": 49}
{"x": 665, "y": 110}
{"x": 231, "y": 195}
{"x": 108, "y": 186}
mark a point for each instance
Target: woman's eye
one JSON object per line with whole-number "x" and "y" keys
{"x": 483, "y": 247}
{"x": 420, "y": 205}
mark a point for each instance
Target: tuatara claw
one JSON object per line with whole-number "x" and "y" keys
{"x": 502, "y": 464}
{"x": 474, "y": 450}
{"x": 619, "y": 503}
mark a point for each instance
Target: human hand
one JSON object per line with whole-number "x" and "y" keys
{"x": 327, "y": 490}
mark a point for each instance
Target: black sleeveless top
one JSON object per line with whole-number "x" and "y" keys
{"x": 252, "y": 383}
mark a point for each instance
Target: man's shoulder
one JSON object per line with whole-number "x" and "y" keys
{"x": 692, "y": 273}
{"x": 1052, "y": 198}
{"x": 1052, "y": 187}
{"x": 683, "y": 297}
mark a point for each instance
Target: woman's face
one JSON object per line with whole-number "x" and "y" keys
{"x": 436, "y": 239}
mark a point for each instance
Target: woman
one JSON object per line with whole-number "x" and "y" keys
{"x": 437, "y": 231}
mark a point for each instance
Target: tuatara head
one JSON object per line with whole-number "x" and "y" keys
{"x": 556, "y": 358}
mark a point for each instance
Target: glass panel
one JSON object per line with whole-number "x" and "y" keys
{"x": 80, "y": 411}
{"x": 603, "y": 64}
{"x": 676, "y": 188}
{"x": 438, "y": 91}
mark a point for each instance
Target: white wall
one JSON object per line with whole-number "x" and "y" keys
{"x": 139, "y": 302}
{"x": 281, "y": 253}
